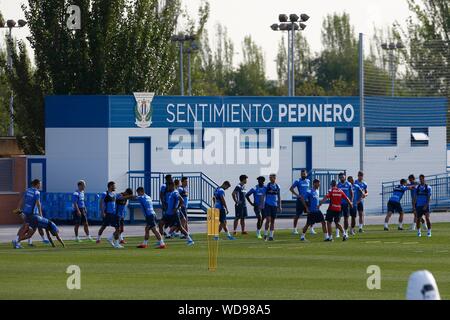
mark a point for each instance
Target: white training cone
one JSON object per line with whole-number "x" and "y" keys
{"x": 422, "y": 286}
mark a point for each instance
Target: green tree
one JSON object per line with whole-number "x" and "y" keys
{"x": 250, "y": 77}
{"x": 337, "y": 65}
{"x": 123, "y": 46}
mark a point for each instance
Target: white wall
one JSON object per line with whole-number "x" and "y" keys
{"x": 74, "y": 154}
{"x": 381, "y": 165}
{"x": 100, "y": 155}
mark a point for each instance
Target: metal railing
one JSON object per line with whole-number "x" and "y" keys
{"x": 325, "y": 176}
{"x": 201, "y": 187}
{"x": 440, "y": 192}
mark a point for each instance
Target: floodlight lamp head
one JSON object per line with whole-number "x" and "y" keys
{"x": 283, "y": 18}
{"x": 293, "y": 17}
{"x": 302, "y": 26}
{"x": 304, "y": 17}
{"x": 22, "y": 23}
{"x": 275, "y": 27}
{"x": 10, "y": 23}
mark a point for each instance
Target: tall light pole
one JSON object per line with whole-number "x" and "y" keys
{"x": 391, "y": 47}
{"x": 192, "y": 48}
{"x": 11, "y": 24}
{"x": 181, "y": 39}
{"x": 291, "y": 24}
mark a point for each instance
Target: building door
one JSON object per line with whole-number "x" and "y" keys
{"x": 301, "y": 155}
{"x": 140, "y": 163}
{"x": 37, "y": 169}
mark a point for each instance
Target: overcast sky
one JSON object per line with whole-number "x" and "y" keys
{"x": 253, "y": 17}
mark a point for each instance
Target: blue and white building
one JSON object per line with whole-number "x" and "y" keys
{"x": 134, "y": 140}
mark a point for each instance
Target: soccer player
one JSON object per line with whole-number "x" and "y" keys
{"x": 358, "y": 195}
{"x": 314, "y": 214}
{"x": 413, "y": 183}
{"x": 272, "y": 206}
{"x": 172, "y": 214}
{"x": 38, "y": 222}
{"x": 121, "y": 205}
{"x": 303, "y": 185}
{"x": 183, "y": 191}
{"x": 108, "y": 209}
{"x": 394, "y": 204}
{"x": 422, "y": 205}
{"x": 259, "y": 195}
{"x": 79, "y": 211}
{"x": 345, "y": 186}
{"x": 335, "y": 195}
{"x": 30, "y": 205}
{"x": 221, "y": 204}
{"x": 163, "y": 195}
{"x": 240, "y": 206}
{"x": 363, "y": 185}
{"x": 150, "y": 218}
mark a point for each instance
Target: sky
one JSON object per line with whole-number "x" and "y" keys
{"x": 254, "y": 17}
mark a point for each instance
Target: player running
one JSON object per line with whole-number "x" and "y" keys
{"x": 272, "y": 206}
{"x": 394, "y": 204}
{"x": 240, "y": 205}
{"x": 172, "y": 215}
{"x": 28, "y": 206}
{"x": 345, "y": 186}
{"x": 363, "y": 185}
{"x": 79, "y": 213}
{"x": 221, "y": 204}
{"x": 314, "y": 214}
{"x": 335, "y": 195}
{"x": 121, "y": 205}
{"x": 38, "y": 222}
{"x": 259, "y": 196}
{"x": 358, "y": 195}
{"x": 303, "y": 185}
{"x": 150, "y": 217}
{"x": 422, "y": 205}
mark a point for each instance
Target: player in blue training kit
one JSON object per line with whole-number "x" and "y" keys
{"x": 272, "y": 206}
{"x": 172, "y": 215}
{"x": 184, "y": 193}
{"x": 422, "y": 204}
{"x": 303, "y": 185}
{"x": 29, "y": 206}
{"x": 240, "y": 205}
{"x": 358, "y": 196}
{"x": 221, "y": 204}
{"x": 363, "y": 185}
{"x": 163, "y": 197}
{"x": 150, "y": 217}
{"x": 311, "y": 201}
{"x": 108, "y": 207}
{"x": 79, "y": 213}
{"x": 259, "y": 196}
{"x": 345, "y": 186}
{"x": 121, "y": 207}
{"x": 413, "y": 183}
{"x": 38, "y": 222}
{"x": 394, "y": 204}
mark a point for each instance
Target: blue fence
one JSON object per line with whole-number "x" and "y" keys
{"x": 58, "y": 206}
{"x": 440, "y": 194}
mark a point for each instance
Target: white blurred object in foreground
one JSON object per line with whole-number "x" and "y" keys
{"x": 422, "y": 286}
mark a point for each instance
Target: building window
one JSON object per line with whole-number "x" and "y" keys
{"x": 6, "y": 175}
{"x": 381, "y": 137}
{"x": 420, "y": 137}
{"x": 186, "y": 139}
{"x": 343, "y": 137}
{"x": 256, "y": 139}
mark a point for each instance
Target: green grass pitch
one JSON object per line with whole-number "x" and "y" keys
{"x": 247, "y": 269}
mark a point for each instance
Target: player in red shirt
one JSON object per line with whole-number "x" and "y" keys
{"x": 335, "y": 195}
